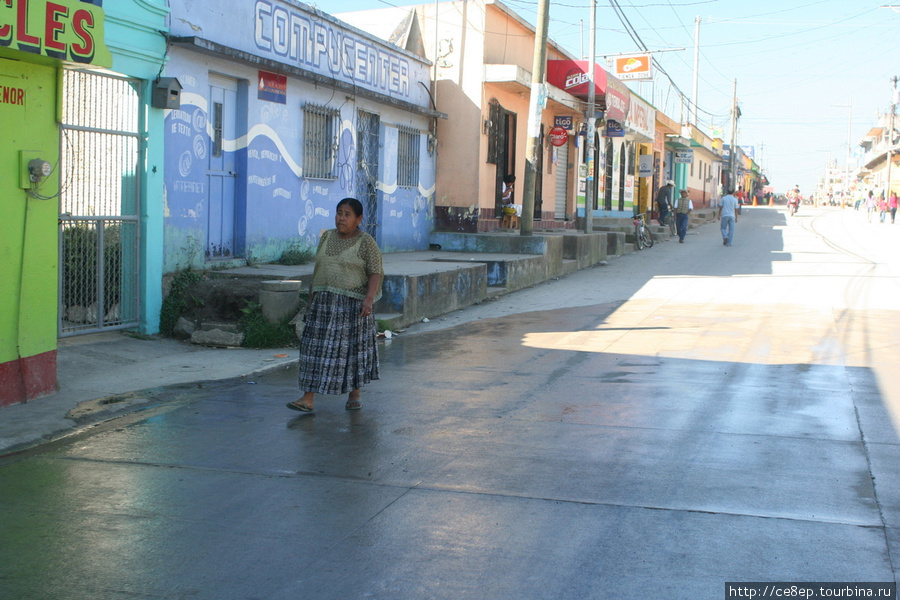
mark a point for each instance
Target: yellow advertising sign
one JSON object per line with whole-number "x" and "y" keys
{"x": 638, "y": 66}
{"x": 66, "y": 30}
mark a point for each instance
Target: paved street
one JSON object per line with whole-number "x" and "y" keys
{"x": 684, "y": 416}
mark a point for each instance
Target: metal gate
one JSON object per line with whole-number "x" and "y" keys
{"x": 99, "y": 203}
{"x": 367, "y": 143}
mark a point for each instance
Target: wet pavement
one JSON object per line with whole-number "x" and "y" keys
{"x": 688, "y": 415}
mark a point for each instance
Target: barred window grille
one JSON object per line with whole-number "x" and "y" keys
{"x": 217, "y": 129}
{"x": 320, "y": 141}
{"x": 408, "y": 157}
{"x": 495, "y": 141}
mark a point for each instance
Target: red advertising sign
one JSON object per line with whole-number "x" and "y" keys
{"x": 272, "y": 87}
{"x": 572, "y": 76}
{"x": 559, "y": 136}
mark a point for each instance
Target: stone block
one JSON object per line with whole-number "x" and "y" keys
{"x": 218, "y": 338}
{"x": 184, "y": 328}
{"x": 279, "y": 299}
{"x": 212, "y": 326}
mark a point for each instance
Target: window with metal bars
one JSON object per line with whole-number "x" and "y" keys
{"x": 320, "y": 141}
{"x": 408, "y": 157}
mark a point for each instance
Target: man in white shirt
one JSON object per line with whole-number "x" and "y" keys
{"x": 728, "y": 212}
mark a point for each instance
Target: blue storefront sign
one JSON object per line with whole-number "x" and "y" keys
{"x": 564, "y": 122}
{"x": 614, "y": 129}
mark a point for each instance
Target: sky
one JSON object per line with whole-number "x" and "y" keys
{"x": 811, "y": 74}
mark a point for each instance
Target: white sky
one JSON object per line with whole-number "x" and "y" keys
{"x": 799, "y": 65}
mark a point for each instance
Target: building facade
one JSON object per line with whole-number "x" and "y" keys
{"x": 483, "y": 54}
{"x": 285, "y": 111}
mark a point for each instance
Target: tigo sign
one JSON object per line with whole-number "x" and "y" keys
{"x": 633, "y": 67}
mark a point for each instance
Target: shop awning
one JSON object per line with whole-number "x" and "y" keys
{"x": 572, "y": 76}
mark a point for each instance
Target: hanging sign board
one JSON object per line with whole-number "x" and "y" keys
{"x": 645, "y": 166}
{"x": 614, "y": 129}
{"x": 564, "y": 122}
{"x": 559, "y": 136}
{"x": 684, "y": 156}
{"x": 634, "y": 68}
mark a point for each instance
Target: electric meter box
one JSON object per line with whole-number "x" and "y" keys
{"x": 26, "y": 158}
{"x": 166, "y": 93}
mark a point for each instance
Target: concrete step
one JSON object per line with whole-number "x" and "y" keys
{"x": 494, "y": 291}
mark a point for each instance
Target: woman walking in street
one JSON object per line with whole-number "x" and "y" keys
{"x": 338, "y": 351}
{"x": 892, "y": 204}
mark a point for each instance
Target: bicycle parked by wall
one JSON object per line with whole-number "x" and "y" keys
{"x": 642, "y": 235}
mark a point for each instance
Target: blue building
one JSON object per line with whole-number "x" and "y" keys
{"x": 284, "y": 111}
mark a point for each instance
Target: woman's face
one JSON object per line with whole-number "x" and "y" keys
{"x": 345, "y": 220}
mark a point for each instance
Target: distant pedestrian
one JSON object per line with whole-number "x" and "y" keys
{"x": 664, "y": 200}
{"x": 728, "y": 214}
{"x": 892, "y": 204}
{"x": 882, "y": 208}
{"x": 683, "y": 208}
{"x": 870, "y": 206}
{"x": 338, "y": 352}
{"x": 741, "y": 198}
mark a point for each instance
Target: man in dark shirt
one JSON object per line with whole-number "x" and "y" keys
{"x": 664, "y": 200}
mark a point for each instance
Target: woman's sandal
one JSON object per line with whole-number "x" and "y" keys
{"x": 300, "y": 405}
{"x": 353, "y": 405}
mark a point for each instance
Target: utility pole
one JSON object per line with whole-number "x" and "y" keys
{"x": 536, "y": 109}
{"x": 696, "y": 66}
{"x": 849, "y": 129}
{"x": 731, "y": 159}
{"x": 591, "y": 183}
{"x": 890, "y": 148}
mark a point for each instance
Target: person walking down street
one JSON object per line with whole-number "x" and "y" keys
{"x": 664, "y": 200}
{"x": 892, "y": 205}
{"x": 882, "y": 208}
{"x": 728, "y": 212}
{"x": 870, "y": 206}
{"x": 338, "y": 351}
{"x": 741, "y": 198}
{"x": 683, "y": 208}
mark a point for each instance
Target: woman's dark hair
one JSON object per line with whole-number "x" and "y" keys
{"x": 354, "y": 204}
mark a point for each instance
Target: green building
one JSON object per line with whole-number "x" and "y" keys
{"x": 80, "y": 179}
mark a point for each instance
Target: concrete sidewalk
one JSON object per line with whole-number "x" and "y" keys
{"x": 104, "y": 375}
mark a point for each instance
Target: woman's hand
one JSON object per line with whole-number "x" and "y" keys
{"x": 366, "y": 308}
